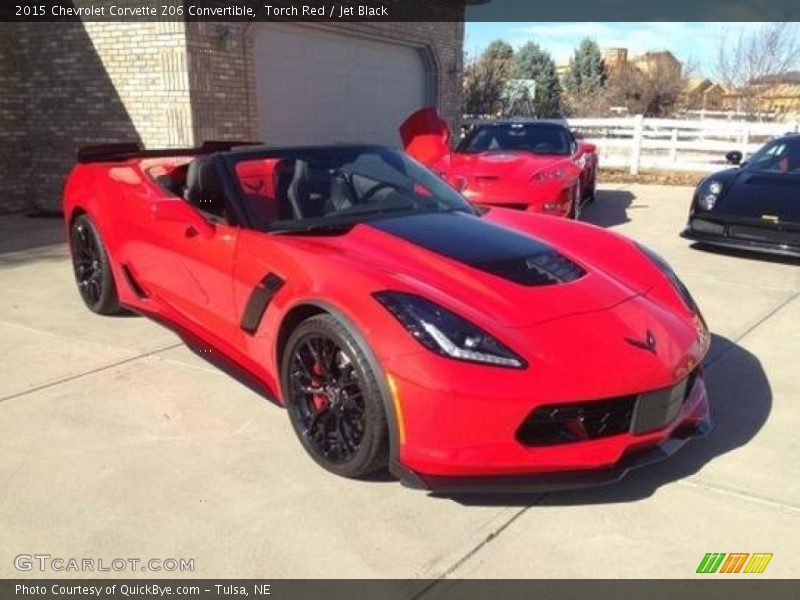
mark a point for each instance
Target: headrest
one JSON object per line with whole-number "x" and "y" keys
{"x": 258, "y": 176}
{"x": 203, "y": 185}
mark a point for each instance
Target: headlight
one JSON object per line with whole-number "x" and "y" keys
{"x": 682, "y": 290}
{"x": 709, "y": 194}
{"x": 443, "y": 332}
{"x": 715, "y": 187}
{"x": 551, "y": 174}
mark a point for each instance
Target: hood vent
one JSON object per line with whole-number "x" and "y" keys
{"x": 481, "y": 244}
{"x": 547, "y": 268}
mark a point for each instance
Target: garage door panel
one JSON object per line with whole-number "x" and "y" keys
{"x": 317, "y": 86}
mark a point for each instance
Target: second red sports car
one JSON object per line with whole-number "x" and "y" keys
{"x": 464, "y": 349}
{"x": 532, "y": 165}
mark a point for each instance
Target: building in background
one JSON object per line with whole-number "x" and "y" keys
{"x": 615, "y": 59}
{"x": 663, "y": 61}
{"x": 704, "y": 95}
{"x": 176, "y": 84}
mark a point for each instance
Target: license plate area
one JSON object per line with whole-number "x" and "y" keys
{"x": 655, "y": 410}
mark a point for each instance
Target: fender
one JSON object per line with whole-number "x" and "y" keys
{"x": 406, "y": 476}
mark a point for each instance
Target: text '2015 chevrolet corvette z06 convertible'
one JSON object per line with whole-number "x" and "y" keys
{"x": 401, "y": 327}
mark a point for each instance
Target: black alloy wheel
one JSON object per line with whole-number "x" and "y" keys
{"x": 333, "y": 398}
{"x": 92, "y": 268}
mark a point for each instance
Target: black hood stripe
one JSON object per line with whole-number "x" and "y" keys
{"x": 484, "y": 245}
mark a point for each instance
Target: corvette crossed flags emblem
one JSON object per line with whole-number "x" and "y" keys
{"x": 649, "y": 343}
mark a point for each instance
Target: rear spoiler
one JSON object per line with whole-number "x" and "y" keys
{"x": 128, "y": 150}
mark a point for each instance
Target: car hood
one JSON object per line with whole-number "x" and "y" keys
{"x": 475, "y": 265}
{"x": 756, "y": 195}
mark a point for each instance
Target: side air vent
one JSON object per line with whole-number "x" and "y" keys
{"x": 132, "y": 284}
{"x": 257, "y": 304}
{"x": 546, "y": 268}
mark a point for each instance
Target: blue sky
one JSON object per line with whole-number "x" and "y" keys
{"x": 694, "y": 42}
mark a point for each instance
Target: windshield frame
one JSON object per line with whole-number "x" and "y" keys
{"x": 331, "y": 222}
{"x": 788, "y": 140}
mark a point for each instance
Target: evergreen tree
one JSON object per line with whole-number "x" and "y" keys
{"x": 587, "y": 72}
{"x": 484, "y": 78}
{"x": 531, "y": 62}
{"x": 498, "y": 50}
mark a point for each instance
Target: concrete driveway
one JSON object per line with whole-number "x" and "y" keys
{"x": 118, "y": 442}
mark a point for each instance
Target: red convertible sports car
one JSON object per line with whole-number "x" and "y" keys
{"x": 531, "y": 165}
{"x": 464, "y": 348}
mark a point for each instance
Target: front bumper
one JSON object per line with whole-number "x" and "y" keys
{"x": 561, "y": 481}
{"x": 475, "y": 450}
{"x": 775, "y": 247}
{"x": 548, "y": 198}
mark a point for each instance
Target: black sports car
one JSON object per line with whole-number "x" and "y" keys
{"x": 755, "y": 206}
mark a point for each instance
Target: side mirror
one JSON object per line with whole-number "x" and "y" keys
{"x": 588, "y": 148}
{"x": 734, "y": 157}
{"x": 178, "y": 211}
{"x": 459, "y": 183}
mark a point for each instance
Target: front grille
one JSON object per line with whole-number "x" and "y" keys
{"x": 762, "y": 234}
{"x": 583, "y": 421}
{"x": 576, "y": 422}
{"x": 512, "y": 205}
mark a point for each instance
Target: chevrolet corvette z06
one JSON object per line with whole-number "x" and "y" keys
{"x": 532, "y": 165}
{"x": 401, "y": 327}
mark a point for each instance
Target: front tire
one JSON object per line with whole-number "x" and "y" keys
{"x": 591, "y": 191}
{"x": 92, "y": 268}
{"x": 575, "y": 209}
{"x": 333, "y": 398}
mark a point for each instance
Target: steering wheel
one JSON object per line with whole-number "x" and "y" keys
{"x": 375, "y": 189}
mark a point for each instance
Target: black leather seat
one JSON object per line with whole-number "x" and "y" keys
{"x": 341, "y": 196}
{"x": 204, "y": 187}
{"x": 308, "y": 191}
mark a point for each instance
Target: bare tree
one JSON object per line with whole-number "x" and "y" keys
{"x": 750, "y": 63}
{"x": 484, "y": 79}
{"x": 587, "y": 100}
{"x": 653, "y": 88}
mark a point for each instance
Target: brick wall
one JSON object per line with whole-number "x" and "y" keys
{"x": 12, "y": 189}
{"x": 102, "y": 82}
{"x": 159, "y": 84}
{"x": 146, "y": 64}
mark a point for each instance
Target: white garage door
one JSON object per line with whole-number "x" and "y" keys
{"x": 317, "y": 87}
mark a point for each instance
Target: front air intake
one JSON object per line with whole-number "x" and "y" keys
{"x": 568, "y": 423}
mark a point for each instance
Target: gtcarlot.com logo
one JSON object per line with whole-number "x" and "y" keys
{"x": 47, "y": 563}
{"x": 734, "y": 562}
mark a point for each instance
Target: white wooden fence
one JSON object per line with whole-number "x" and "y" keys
{"x": 673, "y": 144}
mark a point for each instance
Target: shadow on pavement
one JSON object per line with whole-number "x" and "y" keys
{"x": 610, "y": 208}
{"x": 24, "y": 239}
{"x": 741, "y": 401}
{"x": 746, "y": 255}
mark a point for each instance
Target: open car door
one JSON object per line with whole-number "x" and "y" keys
{"x": 426, "y": 136}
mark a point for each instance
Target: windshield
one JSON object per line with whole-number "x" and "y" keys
{"x": 538, "y": 138}
{"x": 780, "y": 156}
{"x": 308, "y": 188}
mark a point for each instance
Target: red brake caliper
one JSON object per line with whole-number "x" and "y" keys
{"x": 320, "y": 400}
